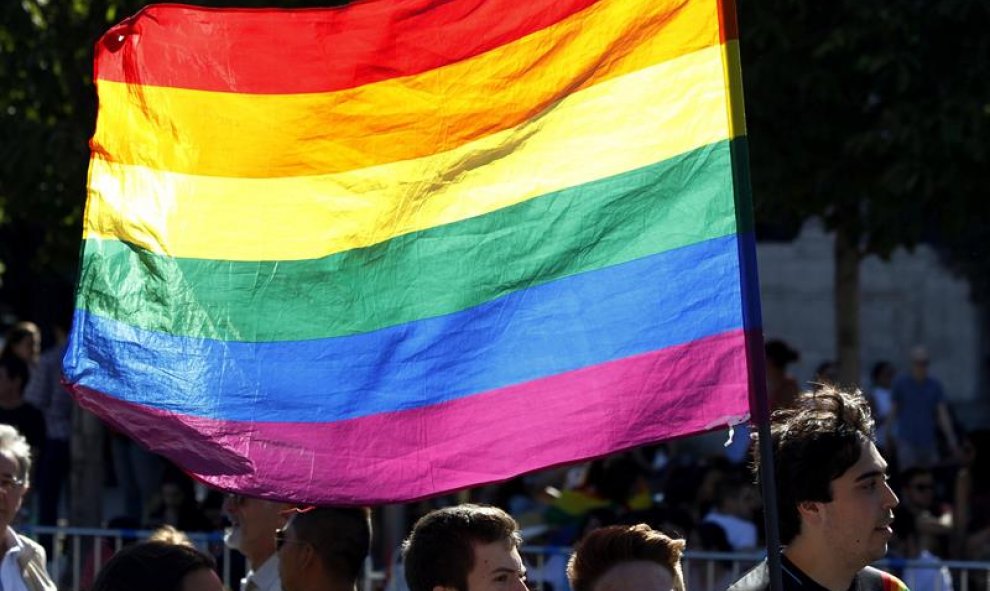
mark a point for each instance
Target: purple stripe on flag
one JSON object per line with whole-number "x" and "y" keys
{"x": 486, "y": 437}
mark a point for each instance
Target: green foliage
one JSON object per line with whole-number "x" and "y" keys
{"x": 47, "y": 115}
{"x": 874, "y": 115}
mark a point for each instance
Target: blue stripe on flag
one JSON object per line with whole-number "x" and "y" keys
{"x": 644, "y": 305}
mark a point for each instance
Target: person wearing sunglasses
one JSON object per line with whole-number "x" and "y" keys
{"x": 323, "y": 548}
{"x": 252, "y": 525}
{"x": 932, "y": 520}
{"x": 22, "y": 567}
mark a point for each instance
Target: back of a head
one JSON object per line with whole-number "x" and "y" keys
{"x": 879, "y": 368}
{"x": 170, "y": 535}
{"x": 151, "y": 566}
{"x": 814, "y": 442}
{"x": 340, "y": 536}
{"x": 440, "y": 549}
{"x": 780, "y": 354}
{"x": 608, "y": 547}
{"x": 729, "y": 490}
{"x": 17, "y": 369}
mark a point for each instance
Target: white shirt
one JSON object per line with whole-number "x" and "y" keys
{"x": 933, "y": 578}
{"x": 265, "y": 578}
{"x": 740, "y": 534}
{"x": 10, "y": 569}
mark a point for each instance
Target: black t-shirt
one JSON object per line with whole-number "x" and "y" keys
{"x": 29, "y": 421}
{"x": 794, "y": 579}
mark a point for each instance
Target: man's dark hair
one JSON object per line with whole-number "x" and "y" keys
{"x": 878, "y": 368}
{"x": 607, "y": 547}
{"x": 341, "y": 538}
{"x": 907, "y": 476}
{"x": 15, "y": 367}
{"x": 729, "y": 488}
{"x": 151, "y": 566}
{"x": 814, "y": 442}
{"x": 440, "y": 549}
{"x": 780, "y": 353}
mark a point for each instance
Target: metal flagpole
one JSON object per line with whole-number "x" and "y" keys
{"x": 759, "y": 406}
{"x": 760, "y": 410}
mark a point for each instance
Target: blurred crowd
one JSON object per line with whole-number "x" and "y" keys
{"x": 700, "y": 488}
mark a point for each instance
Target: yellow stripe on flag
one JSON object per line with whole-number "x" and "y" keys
{"x": 595, "y": 133}
{"x": 266, "y": 135}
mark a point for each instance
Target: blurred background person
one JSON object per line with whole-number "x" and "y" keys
{"x": 159, "y": 566}
{"x": 782, "y": 388}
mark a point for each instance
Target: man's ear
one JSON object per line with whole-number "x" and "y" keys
{"x": 308, "y": 554}
{"x": 810, "y": 512}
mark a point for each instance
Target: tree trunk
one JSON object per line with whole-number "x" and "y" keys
{"x": 86, "y": 479}
{"x": 847, "y": 259}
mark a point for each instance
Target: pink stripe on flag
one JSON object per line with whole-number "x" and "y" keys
{"x": 485, "y": 437}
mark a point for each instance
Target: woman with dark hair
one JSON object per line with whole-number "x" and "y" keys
{"x": 23, "y": 340}
{"x": 782, "y": 388}
{"x": 159, "y": 566}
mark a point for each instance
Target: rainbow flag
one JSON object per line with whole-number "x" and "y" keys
{"x": 383, "y": 251}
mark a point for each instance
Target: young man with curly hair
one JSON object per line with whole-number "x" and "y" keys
{"x": 834, "y": 503}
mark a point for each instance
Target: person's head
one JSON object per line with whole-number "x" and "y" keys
{"x": 917, "y": 488}
{"x": 919, "y": 362}
{"x": 976, "y": 457}
{"x": 15, "y": 466}
{"x": 23, "y": 341}
{"x": 734, "y": 496}
{"x": 464, "y": 548}
{"x": 882, "y": 374}
{"x": 826, "y": 374}
{"x": 711, "y": 537}
{"x": 906, "y": 542}
{"x": 158, "y": 566}
{"x": 323, "y": 548}
{"x": 779, "y": 354}
{"x": 620, "y": 558}
{"x": 13, "y": 377}
{"x": 170, "y": 535}
{"x": 172, "y": 495}
{"x": 831, "y": 480}
{"x": 252, "y": 526}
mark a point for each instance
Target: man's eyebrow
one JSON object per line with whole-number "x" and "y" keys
{"x": 508, "y": 569}
{"x": 871, "y": 475}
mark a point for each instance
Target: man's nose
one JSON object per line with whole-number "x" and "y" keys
{"x": 891, "y": 499}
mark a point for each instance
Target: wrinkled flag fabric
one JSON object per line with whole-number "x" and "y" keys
{"x": 379, "y": 252}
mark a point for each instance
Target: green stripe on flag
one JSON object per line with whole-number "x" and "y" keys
{"x": 674, "y": 203}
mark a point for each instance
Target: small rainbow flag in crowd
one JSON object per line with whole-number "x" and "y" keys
{"x": 378, "y": 252}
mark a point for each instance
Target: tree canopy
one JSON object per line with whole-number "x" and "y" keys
{"x": 874, "y": 115}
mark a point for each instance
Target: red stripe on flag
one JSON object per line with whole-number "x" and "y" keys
{"x": 728, "y": 22}
{"x": 272, "y": 51}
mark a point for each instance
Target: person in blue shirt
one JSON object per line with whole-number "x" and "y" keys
{"x": 918, "y": 410}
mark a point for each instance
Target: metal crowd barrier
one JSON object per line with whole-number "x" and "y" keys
{"x": 715, "y": 571}
{"x": 74, "y": 546}
{"x": 703, "y": 571}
